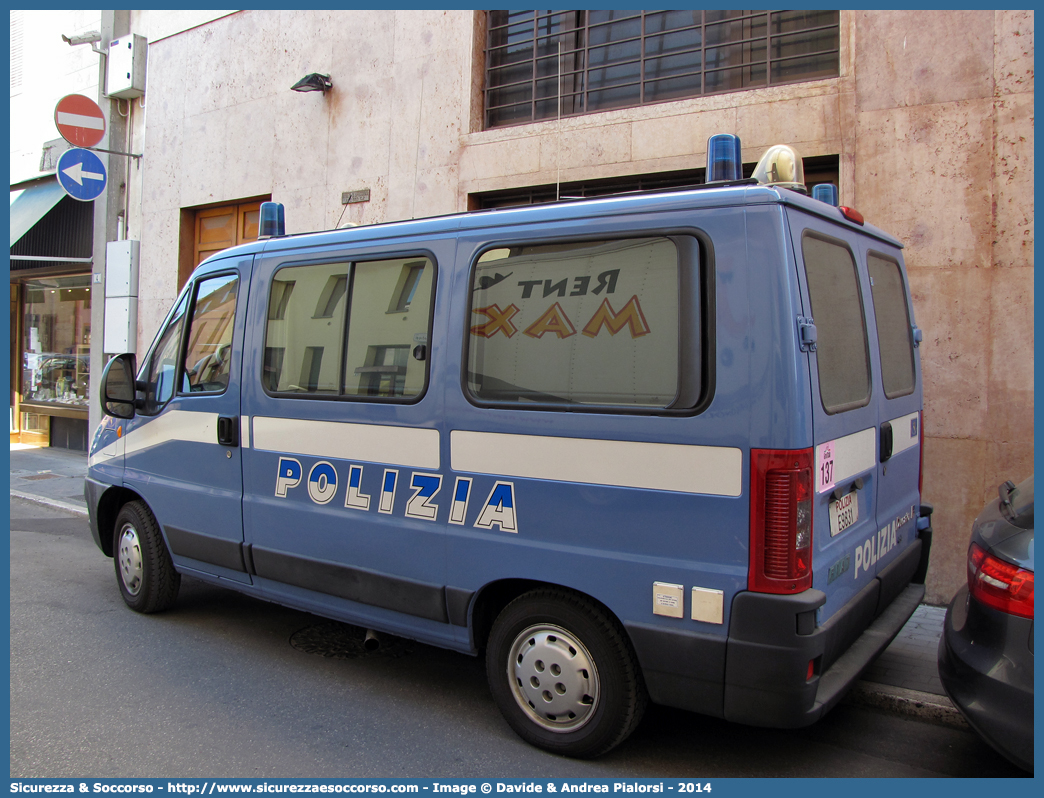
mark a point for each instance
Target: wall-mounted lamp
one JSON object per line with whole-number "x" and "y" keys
{"x": 313, "y": 82}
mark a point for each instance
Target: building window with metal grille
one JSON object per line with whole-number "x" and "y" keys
{"x": 545, "y": 64}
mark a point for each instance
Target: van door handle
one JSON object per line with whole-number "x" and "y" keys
{"x": 228, "y": 430}
{"x": 886, "y": 441}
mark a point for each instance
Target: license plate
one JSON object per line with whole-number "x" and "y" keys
{"x": 843, "y": 513}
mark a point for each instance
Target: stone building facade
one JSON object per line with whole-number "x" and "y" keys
{"x": 929, "y": 120}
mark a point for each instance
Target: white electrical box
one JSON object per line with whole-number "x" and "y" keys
{"x": 126, "y": 67}
{"x": 121, "y": 297}
{"x": 121, "y": 325}
{"x": 121, "y": 268}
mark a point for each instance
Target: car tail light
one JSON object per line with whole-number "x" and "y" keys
{"x": 780, "y": 521}
{"x": 999, "y": 584}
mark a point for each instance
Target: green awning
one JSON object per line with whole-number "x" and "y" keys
{"x": 31, "y": 206}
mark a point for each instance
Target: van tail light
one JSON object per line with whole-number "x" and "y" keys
{"x": 999, "y": 584}
{"x": 780, "y": 521}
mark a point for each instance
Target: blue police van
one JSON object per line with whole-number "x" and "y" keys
{"x": 657, "y": 447}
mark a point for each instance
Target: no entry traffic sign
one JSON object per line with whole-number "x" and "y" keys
{"x": 79, "y": 120}
{"x": 82, "y": 174}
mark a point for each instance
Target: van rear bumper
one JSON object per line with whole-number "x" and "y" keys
{"x": 772, "y": 639}
{"x": 758, "y": 674}
{"x": 761, "y": 688}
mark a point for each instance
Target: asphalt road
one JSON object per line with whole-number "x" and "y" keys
{"x": 223, "y": 685}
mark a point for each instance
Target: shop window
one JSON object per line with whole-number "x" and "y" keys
{"x": 56, "y": 341}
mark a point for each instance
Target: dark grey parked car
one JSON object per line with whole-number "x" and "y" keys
{"x": 986, "y": 650}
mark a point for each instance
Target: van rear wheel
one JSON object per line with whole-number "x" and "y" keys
{"x": 144, "y": 570}
{"x": 563, "y": 674}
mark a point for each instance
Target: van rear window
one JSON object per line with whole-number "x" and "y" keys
{"x": 841, "y": 349}
{"x": 581, "y": 323}
{"x": 349, "y": 329}
{"x": 894, "y": 337}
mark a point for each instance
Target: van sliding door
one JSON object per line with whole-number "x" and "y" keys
{"x": 345, "y": 494}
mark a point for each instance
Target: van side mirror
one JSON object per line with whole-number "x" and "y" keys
{"x": 117, "y": 387}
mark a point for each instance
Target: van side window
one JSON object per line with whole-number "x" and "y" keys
{"x": 582, "y": 323}
{"x": 894, "y": 337}
{"x": 349, "y": 329}
{"x": 159, "y": 379}
{"x": 841, "y": 351}
{"x": 305, "y": 336}
{"x": 391, "y": 302}
{"x": 209, "y": 349}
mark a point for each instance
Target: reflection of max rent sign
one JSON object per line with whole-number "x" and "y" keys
{"x": 556, "y": 320}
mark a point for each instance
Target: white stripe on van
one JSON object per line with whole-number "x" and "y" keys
{"x": 904, "y": 433}
{"x": 244, "y": 431}
{"x": 853, "y": 454}
{"x": 371, "y": 443}
{"x": 714, "y": 470}
{"x": 174, "y": 425}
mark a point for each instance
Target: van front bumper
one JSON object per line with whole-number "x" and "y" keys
{"x": 759, "y": 674}
{"x": 92, "y": 493}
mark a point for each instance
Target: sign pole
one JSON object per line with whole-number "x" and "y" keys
{"x": 107, "y": 208}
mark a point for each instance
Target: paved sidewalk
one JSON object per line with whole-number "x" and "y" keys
{"x": 49, "y": 476}
{"x": 904, "y": 679}
{"x": 910, "y": 661}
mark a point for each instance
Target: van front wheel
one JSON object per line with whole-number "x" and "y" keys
{"x": 563, "y": 674}
{"x": 144, "y": 570}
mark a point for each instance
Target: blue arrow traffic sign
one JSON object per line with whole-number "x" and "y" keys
{"x": 82, "y": 174}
